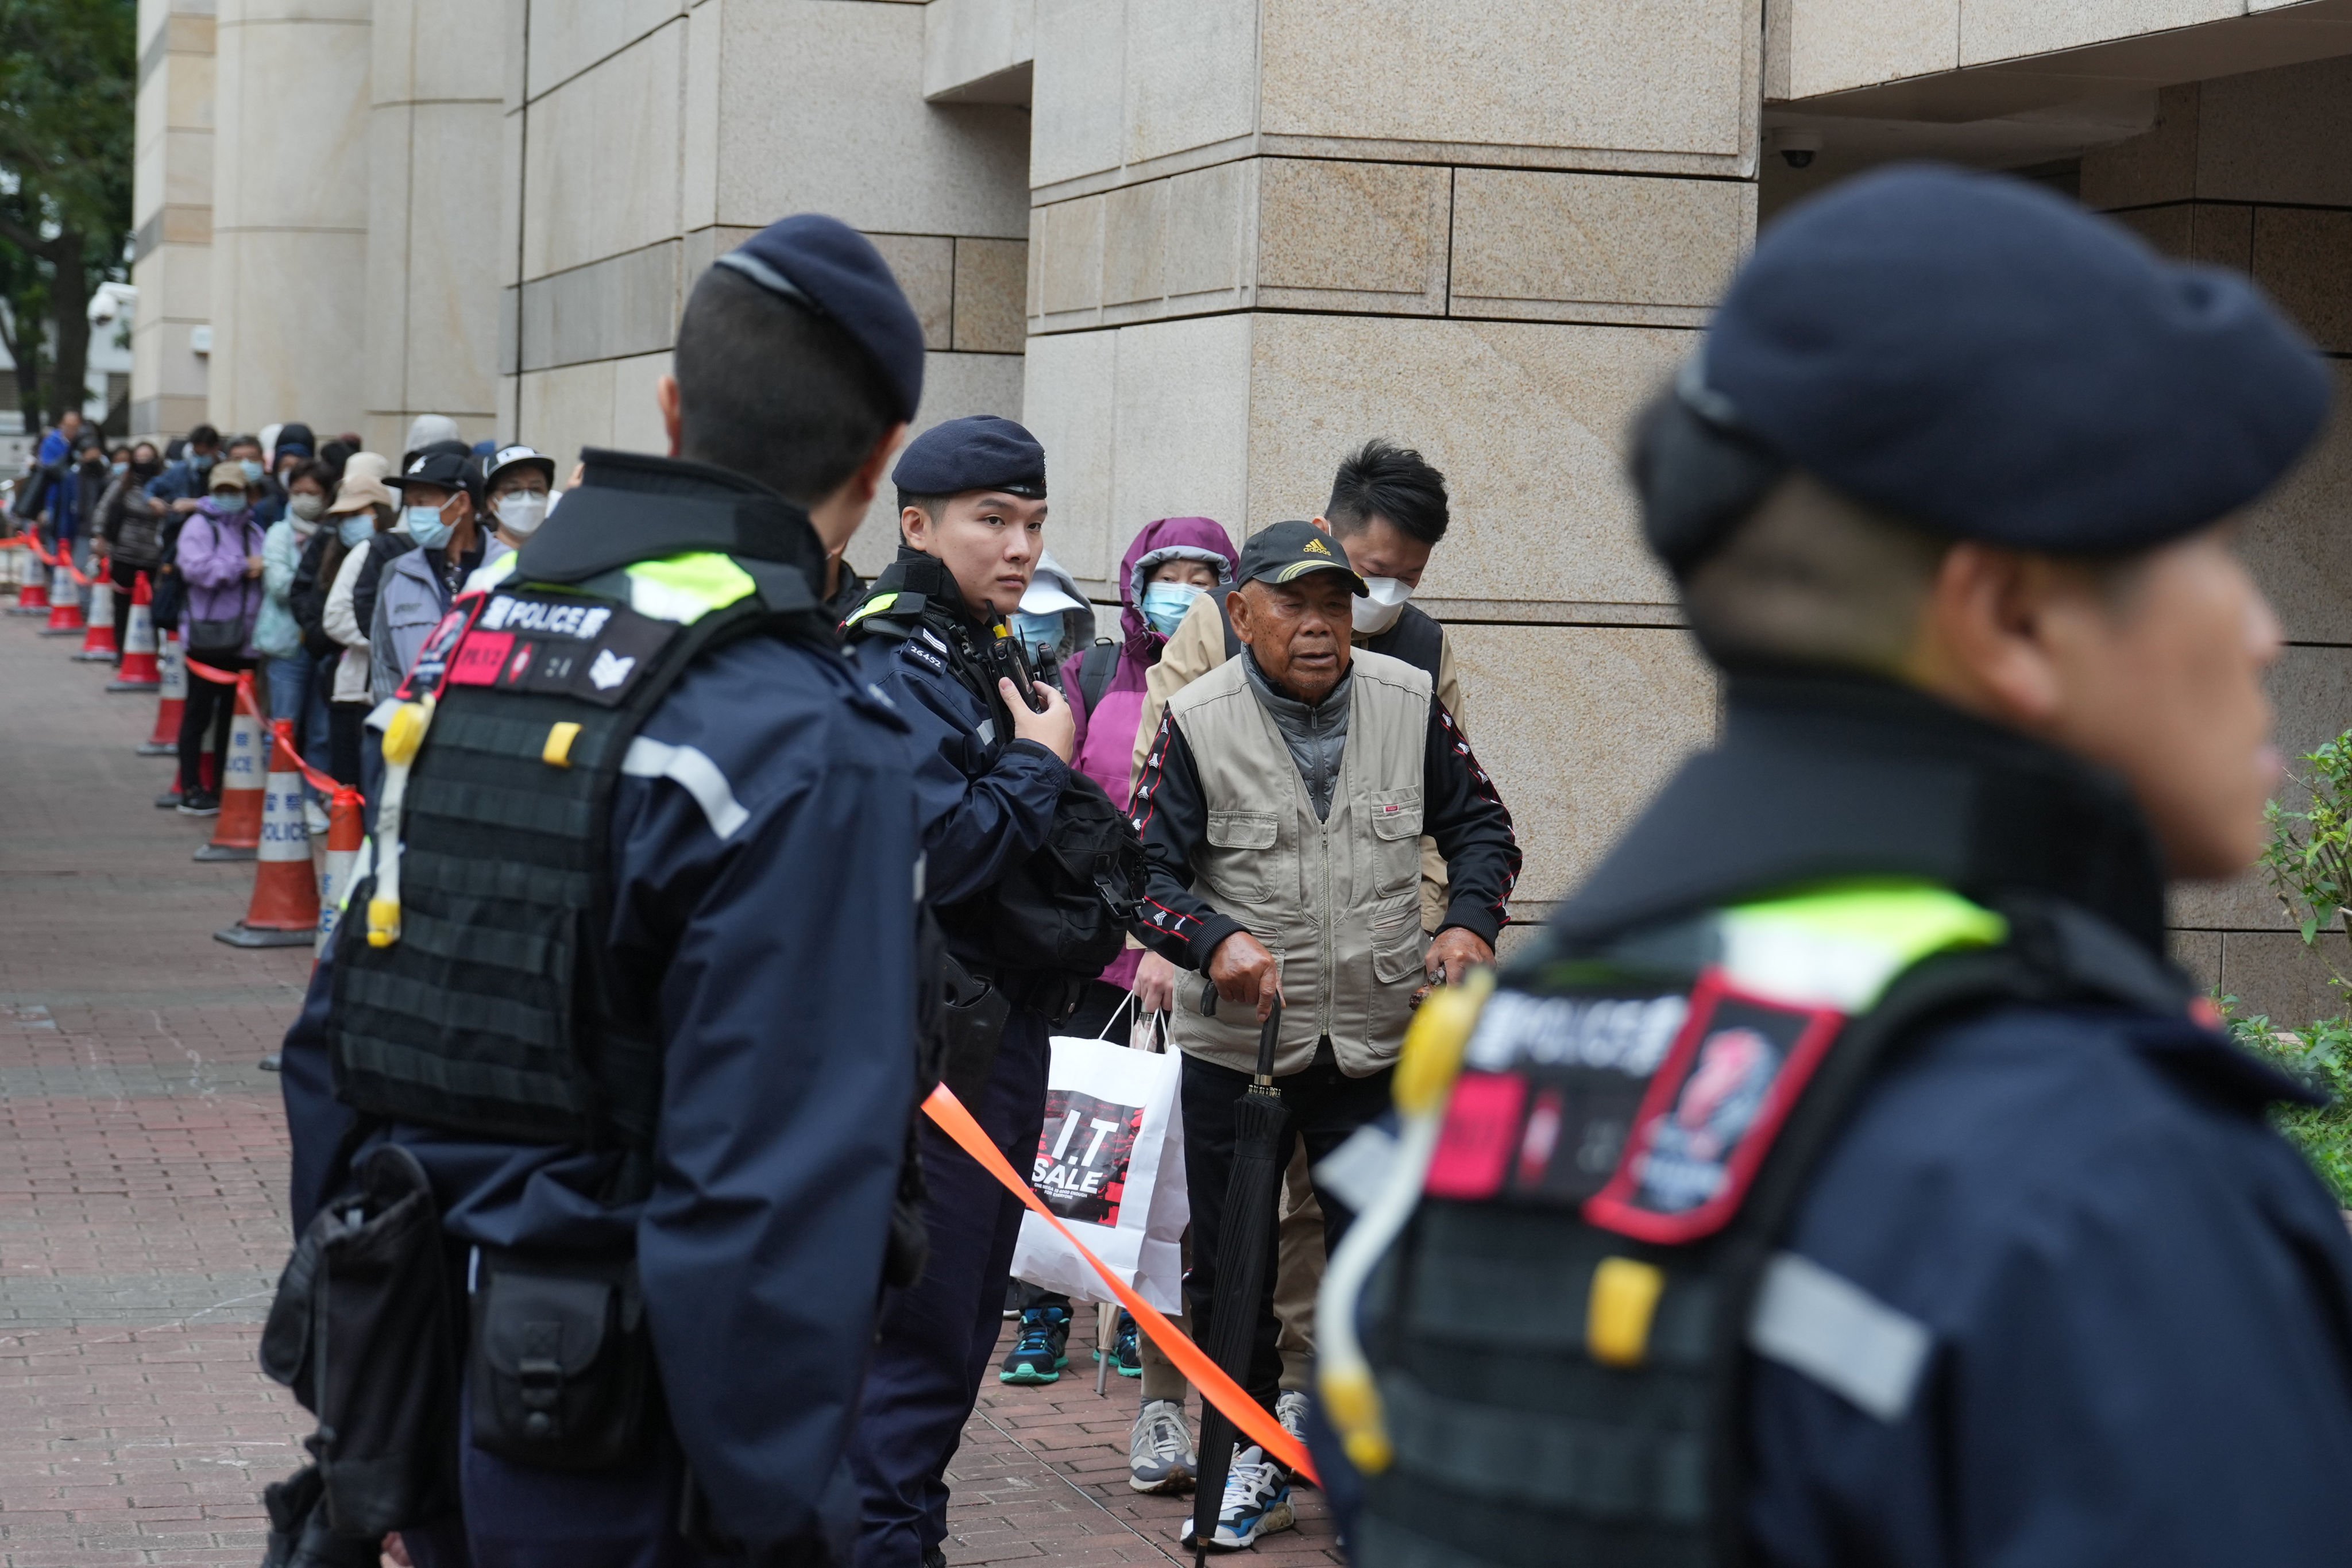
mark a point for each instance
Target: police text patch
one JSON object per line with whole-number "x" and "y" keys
{"x": 558, "y": 646}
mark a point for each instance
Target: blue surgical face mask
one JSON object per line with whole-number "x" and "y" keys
{"x": 1039, "y": 634}
{"x": 354, "y": 527}
{"x": 1165, "y": 604}
{"x": 424, "y": 524}
{"x": 252, "y": 467}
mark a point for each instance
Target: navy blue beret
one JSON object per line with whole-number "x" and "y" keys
{"x": 823, "y": 264}
{"x": 978, "y": 452}
{"x": 1993, "y": 362}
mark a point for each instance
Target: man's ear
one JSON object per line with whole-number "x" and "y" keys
{"x": 1981, "y": 642}
{"x": 914, "y": 526}
{"x": 1237, "y": 605}
{"x": 666, "y": 395}
{"x": 1322, "y": 522}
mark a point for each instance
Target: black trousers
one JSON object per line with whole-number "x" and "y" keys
{"x": 344, "y": 723}
{"x": 1323, "y": 1107}
{"x": 212, "y": 705}
{"x": 125, "y": 578}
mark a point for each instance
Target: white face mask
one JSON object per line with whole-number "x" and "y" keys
{"x": 521, "y": 511}
{"x": 1378, "y": 610}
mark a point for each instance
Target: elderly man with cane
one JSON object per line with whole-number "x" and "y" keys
{"x": 1282, "y": 806}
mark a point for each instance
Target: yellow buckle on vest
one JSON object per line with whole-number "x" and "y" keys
{"x": 557, "y": 753}
{"x": 1625, "y": 1294}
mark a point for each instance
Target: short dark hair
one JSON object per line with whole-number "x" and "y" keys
{"x": 314, "y": 470}
{"x": 236, "y": 441}
{"x": 1380, "y": 479}
{"x": 928, "y": 505}
{"x": 773, "y": 392}
{"x": 204, "y": 435}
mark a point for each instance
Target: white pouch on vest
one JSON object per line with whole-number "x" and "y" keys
{"x": 1110, "y": 1163}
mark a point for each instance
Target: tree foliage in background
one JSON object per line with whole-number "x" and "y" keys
{"x": 68, "y": 79}
{"x": 2309, "y": 862}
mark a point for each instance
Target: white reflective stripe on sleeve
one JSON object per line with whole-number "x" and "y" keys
{"x": 693, "y": 772}
{"x": 1830, "y": 1329}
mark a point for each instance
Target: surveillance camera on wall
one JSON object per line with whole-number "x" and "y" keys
{"x": 1797, "y": 147}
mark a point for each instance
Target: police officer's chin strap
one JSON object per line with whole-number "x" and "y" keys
{"x": 1426, "y": 1069}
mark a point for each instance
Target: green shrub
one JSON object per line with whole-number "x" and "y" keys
{"x": 2309, "y": 862}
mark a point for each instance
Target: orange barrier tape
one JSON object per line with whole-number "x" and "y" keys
{"x": 1219, "y": 1390}
{"x": 324, "y": 784}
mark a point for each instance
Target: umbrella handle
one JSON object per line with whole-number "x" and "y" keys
{"x": 1208, "y": 998}
{"x": 1269, "y": 1032}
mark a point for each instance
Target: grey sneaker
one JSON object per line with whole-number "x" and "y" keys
{"x": 1290, "y": 1409}
{"x": 1256, "y": 1503}
{"x": 1159, "y": 1455}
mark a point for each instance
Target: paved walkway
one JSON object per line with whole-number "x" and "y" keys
{"x": 141, "y": 1211}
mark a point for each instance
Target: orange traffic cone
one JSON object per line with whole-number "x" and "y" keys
{"x": 237, "y": 832}
{"x": 98, "y": 637}
{"x": 65, "y": 598}
{"x": 139, "y": 671}
{"x": 32, "y": 588}
{"x": 173, "y": 679}
{"x": 346, "y": 831}
{"x": 284, "y": 910}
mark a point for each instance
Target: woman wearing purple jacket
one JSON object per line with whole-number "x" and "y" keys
{"x": 219, "y": 558}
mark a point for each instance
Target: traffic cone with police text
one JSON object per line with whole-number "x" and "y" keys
{"x": 173, "y": 681}
{"x": 138, "y": 671}
{"x": 284, "y": 910}
{"x": 98, "y": 637}
{"x": 237, "y": 832}
{"x": 65, "y": 598}
{"x": 33, "y": 587}
{"x": 346, "y": 831}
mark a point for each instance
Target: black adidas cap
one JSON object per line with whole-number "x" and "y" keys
{"x": 1289, "y": 550}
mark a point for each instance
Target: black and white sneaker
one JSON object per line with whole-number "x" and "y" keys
{"x": 1256, "y": 1502}
{"x": 201, "y": 803}
{"x": 1160, "y": 1456}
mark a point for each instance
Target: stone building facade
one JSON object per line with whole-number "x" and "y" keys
{"x": 1201, "y": 247}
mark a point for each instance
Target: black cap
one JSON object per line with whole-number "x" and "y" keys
{"x": 505, "y": 457}
{"x": 822, "y": 264}
{"x": 1991, "y": 362}
{"x": 978, "y": 452}
{"x": 295, "y": 437}
{"x": 438, "y": 467}
{"x": 1288, "y": 551}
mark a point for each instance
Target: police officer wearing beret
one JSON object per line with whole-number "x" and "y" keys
{"x": 1847, "y": 1175}
{"x": 989, "y": 775}
{"x": 628, "y": 998}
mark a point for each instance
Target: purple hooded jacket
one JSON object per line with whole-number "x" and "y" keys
{"x": 1105, "y": 738}
{"x": 214, "y": 545}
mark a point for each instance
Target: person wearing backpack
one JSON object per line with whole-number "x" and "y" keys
{"x": 220, "y": 561}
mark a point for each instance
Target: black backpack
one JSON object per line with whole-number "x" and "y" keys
{"x": 1069, "y": 906}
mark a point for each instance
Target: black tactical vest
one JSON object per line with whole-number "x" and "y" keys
{"x": 1557, "y": 1335}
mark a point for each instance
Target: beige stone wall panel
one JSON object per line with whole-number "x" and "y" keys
{"x": 1527, "y": 421}
{"x": 1579, "y": 727}
{"x": 2272, "y": 975}
{"x": 636, "y": 408}
{"x": 600, "y": 158}
{"x": 2303, "y": 257}
{"x": 1365, "y": 236}
{"x": 450, "y": 358}
{"x": 1135, "y": 244}
{"x": 2293, "y": 537}
{"x": 2158, "y": 166}
{"x": 297, "y": 348}
{"x": 2282, "y": 135}
{"x": 561, "y": 411}
{"x": 1079, "y": 93}
{"x": 979, "y": 51}
{"x": 1595, "y": 247}
{"x": 622, "y": 305}
{"x": 1191, "y": 69}
{"x": 706, "y": 37}
{"x": 1070, "y": 269}
{"x": 2007, "y": 29}
{"x": 924, "y": 265}
{"x": 569, "y": 36}
{"x": 1212, "y": 233}
{"x": 1068, "y": 401}
{"x": 798, "y": 76}
{"x": 1662, "y": 76}
{"x": 389, "y": 135}
{"x": 508, "y": 243}
{"x": 300, "y": 137}
{"x": 989, "y": 278}
{"x": 1828, "y": 46}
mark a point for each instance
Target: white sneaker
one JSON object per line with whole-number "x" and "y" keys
{"x": 1290, "y": 1409}
{"x": 1159, "y": 1455}
{"x": 1256, "y": 1502}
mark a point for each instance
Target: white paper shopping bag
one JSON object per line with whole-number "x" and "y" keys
{"x": 1110, "y": 1163}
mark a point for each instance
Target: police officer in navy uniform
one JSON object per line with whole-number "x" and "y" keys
{"x": 989, "y": 775}
{"x": 1847, "y": 1175}
{"x": 703, "y": 1130}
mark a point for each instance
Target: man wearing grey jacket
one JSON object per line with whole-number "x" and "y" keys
{"x": 1282, "y": 806}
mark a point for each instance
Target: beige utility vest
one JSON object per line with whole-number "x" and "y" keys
{"x": 1336, "y": 902}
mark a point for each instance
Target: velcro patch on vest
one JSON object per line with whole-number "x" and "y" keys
{"x": 432, "y": 664}
{"x": 915, "y": 653}
{"x": 1710, "y": 1114}
{"x": 556, "y": 646}
{"x": 1547, "y": 1095}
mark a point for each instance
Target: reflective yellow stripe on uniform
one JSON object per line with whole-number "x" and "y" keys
{"x": 878, "y": 603}
{"x": 685, "y": 588}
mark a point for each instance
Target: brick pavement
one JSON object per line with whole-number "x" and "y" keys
{"x": 142, "y": 1207}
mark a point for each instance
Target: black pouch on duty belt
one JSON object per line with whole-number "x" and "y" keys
{"x": 360, "y": 1331}
{"x": 560, "y": 1373}
{"x": 973, "y": 1016}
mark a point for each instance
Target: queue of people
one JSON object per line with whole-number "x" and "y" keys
{"x": 1846, "y": 1177}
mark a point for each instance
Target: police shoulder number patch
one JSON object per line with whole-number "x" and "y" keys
{"x": 556, "y": 644}
{"x": 1651, "y": 1113}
